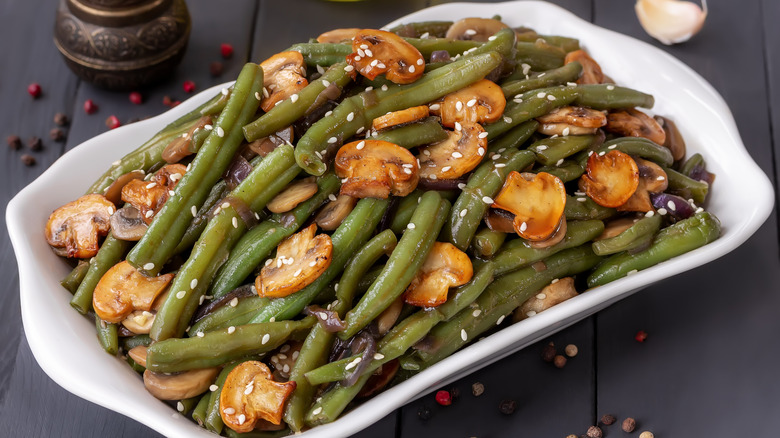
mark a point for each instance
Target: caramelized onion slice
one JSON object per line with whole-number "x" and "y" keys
{"x": 591, "y": 70}
{"x": 250, "y": 394}
{"x": 446, "y": 266}
{"x": 376, "y": 169}
{"x": 634, "y": 123}
{"x": 474, "y": 29}
{"x": 376, "y": 52}
{"x": 610, "y": 179}
{"x": 74, "y": 229}
{"x": 300, "y": 259}
{"x": 123, "y": 289}
{"x": 400, "y": 117}
{"x": 284, "y": 74}
{"x": 480, "y": 102}
{"x": 537, "y": 200}
{"x": 454, "y": 157}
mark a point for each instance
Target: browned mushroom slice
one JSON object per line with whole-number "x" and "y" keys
{"x": 284, "y": 75}
{"x": 338, "y": 35}
{"x": 563, "y": 129}
{"x": 293, "y": 195}
{"x": 128, "y": 224}
{"x": 334, "y": 212}
{"x": 537, "y": 200}
{"x": 376, "y": 52}
{"x": 556, "y": 238}
{"x": 674, "y": 140}
{"x": 284, "y": 359}
{"x": 74, "y": 229}
{"x": 123, "y": 289}
{"x": 114, "y": 192}
{"x": 300, "y": 259}
{"x": 250, "y": 394}
{"x": 376, "y": 169}
{"x": 454, "y": 157}
{"x": 575, "y": 116}
{"x": 555, "y": 293}
{"x": 181, "y": 147}
{"x": 652, "y": 179}
{"x": 500, "y": 220}
{"x": 140, "y": 321}
{"x": 480, "y": 102}
{"x": 616, "y": 226}
{"x": 400, "y": 117}
{"x": 266, "y": 145}
{"x": 635, "y": 123}
{"x": 149, "y": 196}
{"x": 475, "y": 29}
{"x": 386, "y": 320}
{"x": 610, "y": 179}
{"x": 591, "y": 70}
{"x": 446, "y": 266}
{"x": 138, "y": 354}
{"x": 180, "y": 385}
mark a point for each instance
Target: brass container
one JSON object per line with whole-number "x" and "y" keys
{"x": 122, "y": 44}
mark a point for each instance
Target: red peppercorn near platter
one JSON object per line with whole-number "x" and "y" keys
{"x": 399, "y": 218}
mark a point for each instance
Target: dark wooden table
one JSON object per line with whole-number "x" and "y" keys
{"x": 708, "y": 367}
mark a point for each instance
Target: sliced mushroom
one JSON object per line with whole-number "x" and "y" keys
{"x": 480, "y": 102}
{"x": 149, "y": 196}
{"x": 128, "y": 224}
{"x": 386, "y": 320}
{"x": 579, "y": 119}
{"x": 180, "y": 385}
{"x": 334, "y": 212}
{"x": 123, "y": 289}
{"x": 610, "y": 179}
{"x": 554, "y": 293}
{"x": 284, "y": 360}
{"x": 338, "y": 35}
{"x": 537, "y": 201}
{"x": 181, "y": 146}
{"x": 249, "y": 394}
{"x": 140, "y": 321}
{"x": 74, "y": 229}
{"x": 674, "y": 140}
{"x": 635, "y": 123}
{"x": 652, "y": 179}
{"x": 284, "y": 74}
{"x": 591, "y": 70}
{"x": 376, "y": 52}
{"x": 616, "y": 227}
{"x": 114, "y": 192}
{"x": 500, "y": 220}
{"x": 380, "y": 378}
{"x": 138, "y": 354}
{"x": 293, "y": 195}
{"x": 454, "y": 157}
{"x": 266, "y": 145}
{"x": 446, "y": 266}
{"x": 556, "y": 238}
{"x": 400, "y": 117}
{"x": 376, "y": 169}
{"x": 474, "y": 29}
{"x": 300, "y": 259}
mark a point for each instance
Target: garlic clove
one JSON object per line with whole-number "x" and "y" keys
{"x": 671, "y": 21}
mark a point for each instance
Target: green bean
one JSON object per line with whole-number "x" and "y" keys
{"x": 213, "y": 419}
{"x": 260, "y": 241}
{"x": 187, "y": 405}
{"x": 110, "y": 253}
{"x": 131, "y": 342}
{"x": 258, "y": 433}
{"x": 688, "y": 188}
{"x": 353, "y": 232}
{"x": 169, "y": 225}
{"x": 72, "y": 281}
{"x": 514, "y": 138}
{"x": 107, "y": 336}
{"x": 582, "y": 208}
{"x": 436, "y": 29}
{"x": 201, "y": 219}
{"x": 199, "y": 413}
{"x": 243, "y": 312}
{"x": 287, "y": 112}
{"x": 518, "y": 253}
{"x": 550, "y": 78}
{"x": 691, "y": 163}
{"x": 539, "y": 55}
{"x": 530, "y": 105}
{"x": 608, "y": 96}
{"x": 483, "y": 185}
{"x": 686, "y": 235}
{"x": 194, "y": 278}
{"x": 552, "y": 151}
{"x": 322, "y": 54}
{"x": 430, "y": 87}
{"x": 404, "y": 210}
{"x": 640, "y": 147}
{"x": 219, "y": 347}
{"x": 487, "y": 242}
{"x": 568, "y": 170}
{"x": 638, "y": 233}
{"x": 565, "y": 43}
{"x": 415, "y": 134}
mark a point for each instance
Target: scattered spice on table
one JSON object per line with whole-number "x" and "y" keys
{"x": 34, "y": 90}
{"x": 454, "y": 393}
{"x": 216, "y": 68}
{"x": 14, "y": 142}
{"x": 640, "y": 336}
{"x": 112, "y": 122}
{"x": 136, "y": 98}
{"x": 559, "y": 361}
{"x": 477, "y": 389}
{"x": 226, "y": 50}
{"x": 608, "y": 419}
{"x": 629, "y": 424}
{"x": 646, "y": 434}
{"x": 571, "y": 435}
{"x": 548, "y": 352}
{"x": 90, "y": 107}
{"x": 57, "y": 134}
{"x": 443, "y": 397}
{"x": 34, "y": 143}
{"x": 169, "y": 102}
{"x": 28, "y": 160}
{"x": 61, "y": 119}
{"x": 425, "y": 413}
{"x": 571, "y": 350}
{"x": 188, "y": 86}
{"x": 507, "y": 407}
{"x": 594, "y": 432}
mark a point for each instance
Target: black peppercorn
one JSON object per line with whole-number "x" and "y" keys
{"x": 629, "y": 424}
{"x": 57, "y": 134}
{"x": 216, "y": 68}
{"x": 559, "y": 361}
{"x": 548, "y": 352}
{"x": 594, "y": 432}
{"x": 34, "y": 143}
{"x": 60, "y": 119}
{"x": 28, "y": 160}
{"x": 14, "y": 142}
{"x": 507, "y": 407}
{"x": 608, "y": 419}
{"x": 477, "y": 389}
{"x": 424, "y": 413}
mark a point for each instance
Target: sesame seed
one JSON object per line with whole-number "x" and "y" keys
{"x": 171, "y": 193}
{"x": 555, "y": 280}
{"x": 446, "y": 168}
{"x": 407, "y": 171}
{"x": 374, "y": 63}
{"x": 523, "y": 226}
{"x": 258, "y": 96}
{"x": 425, "y": 35}
{"x": 463, "y": 334}
{"x": 492, "y": 38}
{"x": 360, "y": 145}
{"x": 294, "y": 98}
{"x": 369, "y": 53}
{"x": 582, "y": 199}
{"x": 458, "y": 127}
{"x": 241, "y": 419}
{"x": 150, "y": 185}
{"x": 410, "y": 226}
{"x": 379, "y": 356}
{"x": 500, "y": 319}
{"x": 470, "y": 32}
{"x": 231, "y": 329}
{"x": 660, "y": 178}
{"x": 612, "y": 146}
{"x": 194, "y": 283}
{"x": 426, "y": 152}
{"x": 297, "y": 273}
{"x": 662, "y": 211}
{"x": 148, "y": 266}
{"x": 476, "y": 313}
{"x": 458, "y": 105}
{"x": 699, "y": 210}
{"x": 328, "y": 113}
{"x": 631, "y": 272}
{"x": 457, "y": 154}
{"x": 541, "y": 296}
{"x": 207, "y": 128}
{"x": 541, "y": 94}
{"x": 272, "y": 319}
{"x": 181, "y": 294}
{"x": 234, "y": 302}
{"x": 461, "y": 186}
{"x": 235, "y": 222}
{"x": 332, "y": 140}
{"x": 432, "y": 177}
{"x": 348, "y": 68}
{"x": 530, "y": 313}
{"x": 213, "y": 388}
{"x": 200, "y": 334}
{"x": 463, "y": 212}
{"x": 317, "y": 411}
{"x": 566, "y": 131}
{"x": 481, "y": 151}
{"x": 487, "y": 199}
{"x": 500, "y": 165}
{"x": 229, "y": 411}
{"x": 332, "y": 197}
{"x": 384, "y": 87}
{"x": 220, "y": 131}
{"x": 369, "y": 88}
{"x": 364, "y": 46}
{"x": 360, "y": 52}
{"x": 610, "y": 87}
{"x": 601, "y": 154}
{"x": 381, "y": 65}
{"x": 266, "y": 338}
{"x": 541, "y": 148}
{"x": 350, "y": 116}
{"x": 434, "y": 107}
{"x": 325, "y": 83}
{"x": 180, "y": 406}
{"x": 507, "y": 119}
{"x": 471, "y": 103}
{"x": 495, "y": 157}
{"x": 411, "y": 69}
{"x": 559, "y": 162}
{"x": 650, "y": 213}
{"x": 149, "y": 214}
{"x": 550, "y": 97}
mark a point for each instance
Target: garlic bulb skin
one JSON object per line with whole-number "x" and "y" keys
{"x": 671, "y": 21}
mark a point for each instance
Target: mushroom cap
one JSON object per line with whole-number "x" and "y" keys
{"x": 446, "y": 266}
{"x": 74, "y": 229}
{"x": 376, "y": 52}
{"x": 123, "y": 289}
{"x": 180, "y": 385}
{"x": 537, "y": 200}
{"x": 284, "y": 74}
{"x": 293, "y": 195}
{"x": 634, "y": 123}
{"x": 400, "y": 117}
{"x": 114, "y": 192}
{"x": 333, "y": 213}
{"x": 300, "y": 259}
{"x": 149, "y": 196}
{"x": 481, "y": 102}
{"x": 456, "y": 156}
{"x": 128, "y": 224}
{"x": 610, "y": 179}
{"x": 556, "y": 238}
{"x": 576, "y": 116}
{"x": 591, "y": 70}
{"x": 338, "y": 35}
{"x": 674, "y": 139}
{"x": 474, "y": 29}
{"x": 250, "y": 394}
{"x": 181, "y": 146}
{"x": 376, "y": 169}
{"x": 550, "y": 295}
{"x": 652, "y": 179}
